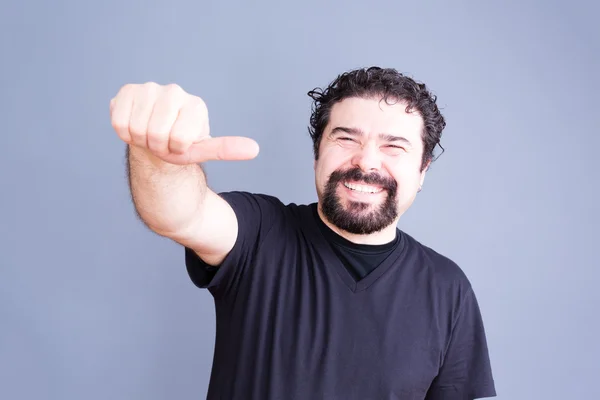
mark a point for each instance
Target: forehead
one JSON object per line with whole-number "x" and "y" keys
{"x": 375, "y": 116}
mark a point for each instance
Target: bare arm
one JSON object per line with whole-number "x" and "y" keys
{"x": 174, "y": 201}
{"x": 167, "y": 135}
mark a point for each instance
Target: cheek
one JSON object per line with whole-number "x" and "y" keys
{"x": 408, "y": 183}
{"x": 328, "y": 163}
{"x": 321, "y": 174}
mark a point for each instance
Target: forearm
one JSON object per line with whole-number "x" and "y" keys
{"x": 166, "y": 197}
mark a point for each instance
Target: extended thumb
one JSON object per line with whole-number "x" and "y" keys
{"x": 229, "y": 148}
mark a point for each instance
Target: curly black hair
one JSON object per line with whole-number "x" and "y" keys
{"x": 389, "y": 84}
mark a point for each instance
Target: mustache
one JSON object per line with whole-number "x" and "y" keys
{"x": 355, "y": 174}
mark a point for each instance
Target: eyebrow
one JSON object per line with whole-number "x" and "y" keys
{"x": 358, "y": 132}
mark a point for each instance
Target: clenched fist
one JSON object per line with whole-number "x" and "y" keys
{"x": 172, "y": 125}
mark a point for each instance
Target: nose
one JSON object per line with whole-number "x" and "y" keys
{"x": 367, "y": 158}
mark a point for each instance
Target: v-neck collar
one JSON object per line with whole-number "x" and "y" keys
{"x": 325, "y": 246}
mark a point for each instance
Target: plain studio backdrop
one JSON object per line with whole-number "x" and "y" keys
{"x": 95, "y": 306}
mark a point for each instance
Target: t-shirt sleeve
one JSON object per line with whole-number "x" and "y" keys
{"x": 255, "y": 214}
{"x": 466, "y": 373}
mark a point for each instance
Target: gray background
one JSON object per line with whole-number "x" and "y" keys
{"x": 95, "y": 306}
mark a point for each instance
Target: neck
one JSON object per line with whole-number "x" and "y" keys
{"x": 383, "y": 236}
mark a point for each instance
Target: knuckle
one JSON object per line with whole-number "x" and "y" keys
{"x": 173, "y": 89}
{"x": 137, "y": 129}
{"x": 199, "y": 106}
{"x": 158, "y": 126}
{"x": 197, "y": 102}
{"x": 176, "y": 137}
{"x": 158, "y": 133}
{"x": 127, "y": 88}
{"x": 149, "y": 87}
{"x": 177, "y": 149}
{"x": 158, "y": 136}
{"x": 150, "y": 84}
{"x": 158, "y": 146}
{"x": 118, "y": 124}
{"x": 178, "y": 142}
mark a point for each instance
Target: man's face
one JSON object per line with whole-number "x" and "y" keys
{"x": 368, "y": 170}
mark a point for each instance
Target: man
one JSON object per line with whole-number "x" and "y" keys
{"x": 328, "y": 300}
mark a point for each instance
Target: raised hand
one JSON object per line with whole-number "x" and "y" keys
{"x": 172, "y": 125}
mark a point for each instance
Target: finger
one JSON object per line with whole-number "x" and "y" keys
{"x": 143, "y": 104}
{"x": 121, "y": 113}
{"x": 231, "y": 148}
{"x": 164, "y": 115}
{"x": 191, "y": 126}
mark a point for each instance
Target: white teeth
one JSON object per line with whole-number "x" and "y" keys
{"x": 363, "y": 188}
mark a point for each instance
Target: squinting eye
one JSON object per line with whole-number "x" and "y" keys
{"x": 347, "y": 141}
{"x": 394, "y": 150}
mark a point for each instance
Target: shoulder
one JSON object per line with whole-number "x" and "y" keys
{"x": 265, "y": 206}
{"x": 242, "y": 197}
{"x": 440, "y": 269}
{"x": 243, "y": 201}
{"x": 446, "y": 284}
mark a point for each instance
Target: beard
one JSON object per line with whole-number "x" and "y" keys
{"x": 355, "y": 217}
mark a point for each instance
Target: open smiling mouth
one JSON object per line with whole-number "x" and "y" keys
{"x": 360, "y": 188}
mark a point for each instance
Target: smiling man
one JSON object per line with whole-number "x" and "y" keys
{"x": 366, "y": 152}
{"x": 328, "y": 300}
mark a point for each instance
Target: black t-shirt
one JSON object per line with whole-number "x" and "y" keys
{"x": 293, "y": 323}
